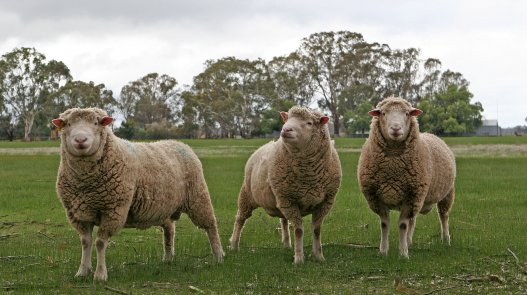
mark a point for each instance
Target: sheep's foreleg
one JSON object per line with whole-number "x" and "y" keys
{"x": 318, "y": 217}
{"x": 292, "y": 213}
{"x": 404, "y": 223}
{"x": 85, "y": 234}
{"x": 411, "y": 227}
{"x": 101, "y": 243}
{"x": 385, "y": 231}
{"x": 109, "y": 226}
{"x": 317, "y": 244}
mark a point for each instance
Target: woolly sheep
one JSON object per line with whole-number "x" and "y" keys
{"x": 402, "y": 169}
{"x": 112, "y": 183}
{"x": 297, "y": 175}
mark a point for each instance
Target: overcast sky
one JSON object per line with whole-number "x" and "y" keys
{"x": 115, "y": 42}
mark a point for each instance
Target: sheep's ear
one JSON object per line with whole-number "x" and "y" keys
{"x": 415, "y": 112}
{"x": 284, "y": 116}
{"x": 58, "y": 122}
{"x": 324, "y": 120}
{"x": 374, "y": 113}
{"x": 106, "y": 121}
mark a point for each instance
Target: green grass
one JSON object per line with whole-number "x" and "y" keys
{"x": 40, "y": 252}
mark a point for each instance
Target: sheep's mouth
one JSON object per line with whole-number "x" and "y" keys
{"x": 287, "y": 135}
{"x": 396, "y": 135}
{"x": 81, "y": 146}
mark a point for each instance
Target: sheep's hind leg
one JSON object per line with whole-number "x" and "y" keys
{"x": 286, "y": 237}
{"x": 244, "y": 212}
{"x": 443, "y": 209}
{"x": 168, "y": 240}
{"x": 85, "y": 234}
{"x": 202, "y": 215}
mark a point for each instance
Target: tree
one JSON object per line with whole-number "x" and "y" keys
{"x": 450, "y": 112}
{"x": 358, "y": 100}
{"x": 402, "y": 74}
{"x": 26, "y": 82}
{"x": 82, "y": 95}
{"x": 152, "y": 98}
{"x": 231, "y": 94}
{"x": 359, "y": 120}
{"x": 337, "y": 60}
{"x": 291, "y": 80}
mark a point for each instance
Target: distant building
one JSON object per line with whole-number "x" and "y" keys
{"x": 489, "y": 128}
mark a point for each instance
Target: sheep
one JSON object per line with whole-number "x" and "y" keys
{"x": 402, "y": 169}
{"x": 297, "y": 175}
{"x": 112, "y": 183}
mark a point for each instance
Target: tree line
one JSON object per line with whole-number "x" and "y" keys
{"x": 340, "y": 72}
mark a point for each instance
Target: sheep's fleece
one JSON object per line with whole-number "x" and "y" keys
{"x": 402, "y": 169}
{"x": 112, "y": 183}
{"x": 297, "y": 175}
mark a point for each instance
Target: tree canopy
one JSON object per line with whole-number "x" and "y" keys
{"x": 338, "y": 72}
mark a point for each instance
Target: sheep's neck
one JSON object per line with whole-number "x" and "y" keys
{"x": 309, "y": 153}
{"x": 90, "y": 164}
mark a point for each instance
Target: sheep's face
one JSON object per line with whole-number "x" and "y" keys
{"x": 81, "y": 132}
{"x": 395, "y": 119}
{"x": 300, "y": 124}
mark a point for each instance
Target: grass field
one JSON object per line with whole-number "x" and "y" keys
{"x": 40, "y": 252}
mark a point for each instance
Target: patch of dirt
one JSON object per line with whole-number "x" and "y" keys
{"x": 490, "y": 150}
{"x": 30, "y": 151}
{"x": 502, "y": 150}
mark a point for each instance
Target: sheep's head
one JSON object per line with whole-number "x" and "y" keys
{"x": 82, "y": 130}
{"x": 395, "y": 116}
{"x": 302, "y": 124}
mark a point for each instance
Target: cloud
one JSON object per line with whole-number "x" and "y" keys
{"x": 115, "y": 42}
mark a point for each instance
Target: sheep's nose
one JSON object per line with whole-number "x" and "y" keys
{"x": 287, "y": 129}
{"x": 81, "y": 139}
{"x": 396, "y": 128}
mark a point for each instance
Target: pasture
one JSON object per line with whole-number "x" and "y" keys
{"x": 40, "y": 252}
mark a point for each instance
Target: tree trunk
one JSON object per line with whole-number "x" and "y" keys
{"x": 336, "y": 124}
{"x": 28, "y": 125}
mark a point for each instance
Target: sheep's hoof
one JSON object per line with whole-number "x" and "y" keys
{"x": 100, "y": 276}
{"x": 298, "y": 260}
{"x": 234, "y": 247}
{"x": 218, "y": 259}
{"x": 319, "y": 258}
{"x": 446, "y": 240}
{"x": 82, "y": 272}
{"x": 404, "y": 254}
{"x": 168, "y": 259}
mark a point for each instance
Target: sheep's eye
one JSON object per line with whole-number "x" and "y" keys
{"x": 383, "y": 114}
{"x": 96, "y": 124}
{"x": 407, "y": 114}
{"x": 69, "y": 124}
{"x": 309, "y": 123}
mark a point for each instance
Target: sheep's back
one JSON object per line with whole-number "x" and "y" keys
{"x": 257, "y": 176}
{"x": 165, "y": 174}
{"x": 442, "y": 167}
